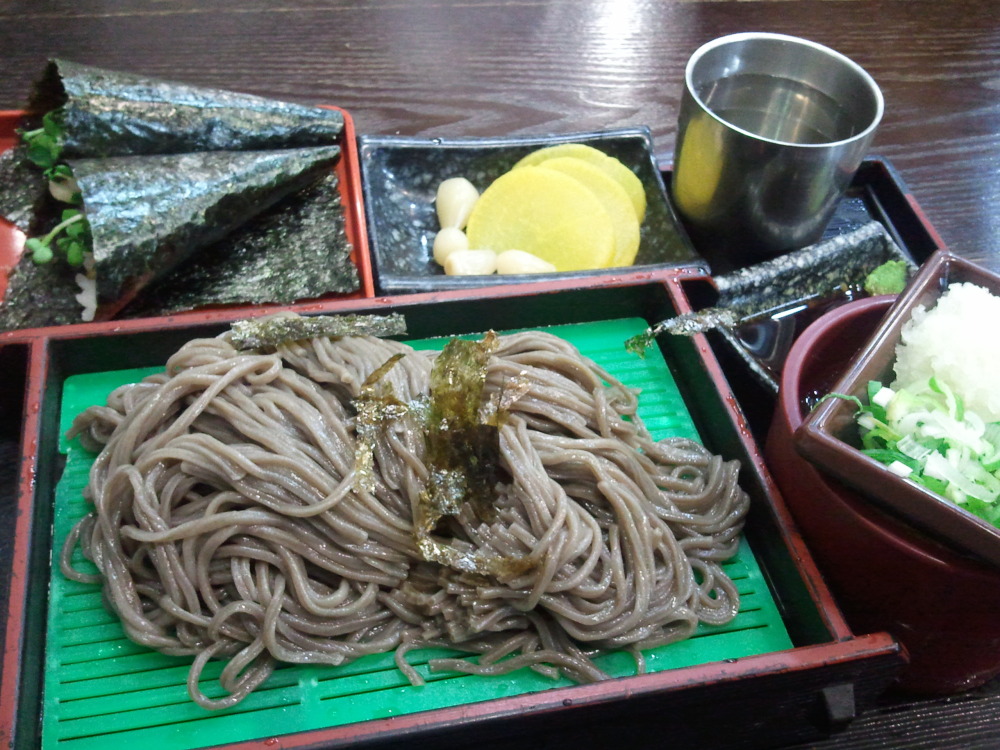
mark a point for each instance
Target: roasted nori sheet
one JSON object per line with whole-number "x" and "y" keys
{"x": 272, "y": 331}
{"x": 40, "y": 295}
{"x": 149, "y": 213}
{"x": 296, "y": 250}
{"x": 22, "y": 188}
{"x": 110, "y": 113}
{"x": 169, "y": 170}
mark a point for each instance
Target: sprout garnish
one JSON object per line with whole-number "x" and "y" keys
{"x": 45, "y": 146}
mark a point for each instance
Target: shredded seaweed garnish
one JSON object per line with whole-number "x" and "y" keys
{"x": 639, "y": 343}
{"x": 463, "y": 455}
{"x": 461, "y": 450}
{"x": 376, "y": 406}
{"x": 272, "y": 330}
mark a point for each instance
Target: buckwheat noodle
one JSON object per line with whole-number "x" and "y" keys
{"x": 231, "y": 519}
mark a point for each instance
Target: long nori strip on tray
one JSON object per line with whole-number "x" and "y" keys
{"x": 298, "y": 249}
{"x": 108, "y": 113}
{"x": 149, "y": 213}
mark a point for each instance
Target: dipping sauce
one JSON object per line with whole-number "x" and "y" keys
{"x": 768, "y": 336}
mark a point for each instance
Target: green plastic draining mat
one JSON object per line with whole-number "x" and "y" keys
{"x": 103, "y": 691}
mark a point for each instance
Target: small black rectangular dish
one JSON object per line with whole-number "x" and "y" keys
{"x": 877, "y": 196}
{"x": 400, "y": 177}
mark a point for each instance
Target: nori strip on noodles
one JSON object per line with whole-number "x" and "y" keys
{"x": 273, "y": 330}
{"x": 149, "y": 213}
{"x": 296, "y": 250}
{"x": 108, "y": 113}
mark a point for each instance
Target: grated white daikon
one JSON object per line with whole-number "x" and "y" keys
{"x": 957, "y": 341}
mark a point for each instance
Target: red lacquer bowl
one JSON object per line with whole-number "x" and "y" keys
{"x": 942, "y": 606}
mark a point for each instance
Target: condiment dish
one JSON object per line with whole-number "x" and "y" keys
{"x": 400, "y": 176}
{"x": 939, "y": 603}
{"x": 829, "y": 435}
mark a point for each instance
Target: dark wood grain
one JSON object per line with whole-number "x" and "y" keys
{"x": 498, "y": 67}
{"x": 495, "y": 67}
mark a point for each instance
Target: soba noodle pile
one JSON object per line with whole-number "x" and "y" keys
{"x": 238, "y": 515}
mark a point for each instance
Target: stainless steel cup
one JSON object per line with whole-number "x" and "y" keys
{"x": 771, "y": 130}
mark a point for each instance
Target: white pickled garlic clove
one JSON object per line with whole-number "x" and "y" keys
{"x": 455, "y": 198}
{"x": 448, "y": 241}
{"x": 471, "y": 263}
{"x": 518, "y": 261}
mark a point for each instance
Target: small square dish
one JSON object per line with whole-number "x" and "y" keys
{"x": 829, "y": 436}
{"x": 400, "y": 177}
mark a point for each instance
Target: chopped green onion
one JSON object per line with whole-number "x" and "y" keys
{"x": 900, "y": 469}
{"x": 924, "y": 433}
{"x": 883, "y": 396}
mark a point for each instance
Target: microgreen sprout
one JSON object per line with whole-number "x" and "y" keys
{"x": 71, "y": 236}
{"x": 45, "y": 144}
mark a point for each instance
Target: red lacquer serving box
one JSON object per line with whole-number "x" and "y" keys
{"x": 348, "y": 174}
{"x": 816, "y": 683}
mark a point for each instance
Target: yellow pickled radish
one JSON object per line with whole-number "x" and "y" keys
{"x": 609, "y": 164}
{"x": 614, "y": 199}
{"x": 546, "y": 213}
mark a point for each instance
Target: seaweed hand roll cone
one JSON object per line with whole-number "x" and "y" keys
{"x": 107, "y": 113}
{"x": 149, "y": 213}
{"x": 296, "y": 250}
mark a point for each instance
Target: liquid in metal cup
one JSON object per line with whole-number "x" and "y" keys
{"x": 771, "y": 130}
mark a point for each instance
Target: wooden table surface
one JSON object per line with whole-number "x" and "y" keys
{"x": 500, "y": 67}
